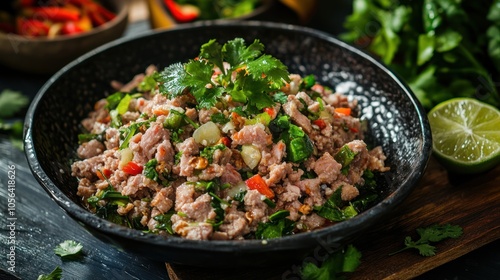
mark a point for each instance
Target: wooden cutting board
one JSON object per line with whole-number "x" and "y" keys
{"x": 469, "y": 201}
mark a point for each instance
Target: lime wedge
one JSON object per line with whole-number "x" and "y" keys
{"x": 466, "y": 135}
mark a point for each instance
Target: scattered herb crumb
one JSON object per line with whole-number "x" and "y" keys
{"x": 54, "y": 275}
{"x": 345, "y": 260}
{"x": 68, "y": 249}
{"x": 434, "y": 233}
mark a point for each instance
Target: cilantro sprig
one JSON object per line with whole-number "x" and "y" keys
{"x": 248, "y": 76}
{"x": 434, "y": 233}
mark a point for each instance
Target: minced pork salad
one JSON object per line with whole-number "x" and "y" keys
{"x": 228, "y": 145}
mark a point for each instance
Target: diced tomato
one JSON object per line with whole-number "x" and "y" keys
{"x": 257, "y": 183}
{"x": 345, "y": 111}
{"x": 226, "y": 141}
{"x": 271, "y": 112}
{"x": 132, "y": 168}
{"x": 320, "y": 123}
{"x": 353, "y": 130}
{"x": 104, "y": 173}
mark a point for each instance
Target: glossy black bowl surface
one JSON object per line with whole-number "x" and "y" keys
{"x": 395, "y": 119}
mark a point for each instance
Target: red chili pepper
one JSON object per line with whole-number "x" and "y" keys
{"x": 345, "y": 111}
{"x": 257, "y": 183}
{"x": 226, "y": 141}
{"x": 31, "y": 27}
{"x": 270, "y": 111}
{"x": 58, "y": 14}
{"x": 320, "y": 123}
{"x": 104, "y": 173}
{"x": 132, "y": 168}
{"x": 182, "y": 13}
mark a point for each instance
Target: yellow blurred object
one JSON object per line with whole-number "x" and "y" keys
{"x": 303, "y": 8}
{"x": 160, "y": 18}
{"x": 158, "y": 15}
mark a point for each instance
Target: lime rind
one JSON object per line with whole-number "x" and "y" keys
{"x": 466, "y": 135}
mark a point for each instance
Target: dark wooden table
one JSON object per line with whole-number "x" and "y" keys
{"x": 40, "y": 225}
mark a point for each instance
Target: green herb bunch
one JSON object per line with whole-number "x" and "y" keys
{"x": 442, "y": 48}
{"x": 248, "y": 76}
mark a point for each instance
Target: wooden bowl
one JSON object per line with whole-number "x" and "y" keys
{"x": 46, "y": 56}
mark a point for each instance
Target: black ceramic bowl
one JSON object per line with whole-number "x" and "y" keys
{"x": 395, "y": 120}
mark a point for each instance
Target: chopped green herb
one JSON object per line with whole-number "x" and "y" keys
{"x": 86, "y": 137}
{"x": 334, "y": 267}
{"x": 335, "y": 209}
{"x": 148, "y": 83}
{"x": 277, "y": 226}
{"x": 150, "y": 169}
{"x": 434, "y": 233}
{"x": 68, "y": 248}
{"x": 177, "y": 157}
{"x": 219, "y": 118}
{"x": 208, "y": 152}
{"x": 128, "y": 132}
{"x": 298, "y": 145}
{"x": 307, "y": 82}
{"x": 345, "y": 156}
{"x": 280, "y": 97}
{"x": 216, "y": 204}
{"x": 164, "y": 222}
{"x": 54, "y": 275}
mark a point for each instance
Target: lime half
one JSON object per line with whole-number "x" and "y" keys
{"x": 466, "y": 135}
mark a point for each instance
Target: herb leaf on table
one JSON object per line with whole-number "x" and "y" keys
{"x": 68, "y": 249}
{"x": 434, "y": 233}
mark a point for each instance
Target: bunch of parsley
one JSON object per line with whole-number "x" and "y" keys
{"x": 441, "y": 48}
{"x": 248, "y": 75}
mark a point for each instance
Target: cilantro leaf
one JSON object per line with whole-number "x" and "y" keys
{"x": 68, "y": 248}
{"x": 237, "y": 53}
{"x": 11, "y": 102}
{"x": 274, "y": 71}
{"x": 212, "y": 51}
{"x": 345, "y": 260}
{"x": 434, "y": 233}
{"x": 54, "y": 275}
{"x": 171, "y": 80}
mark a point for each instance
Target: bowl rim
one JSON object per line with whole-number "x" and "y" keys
{"x": 354, "y": 224}
{"x": 120, "y": 16}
